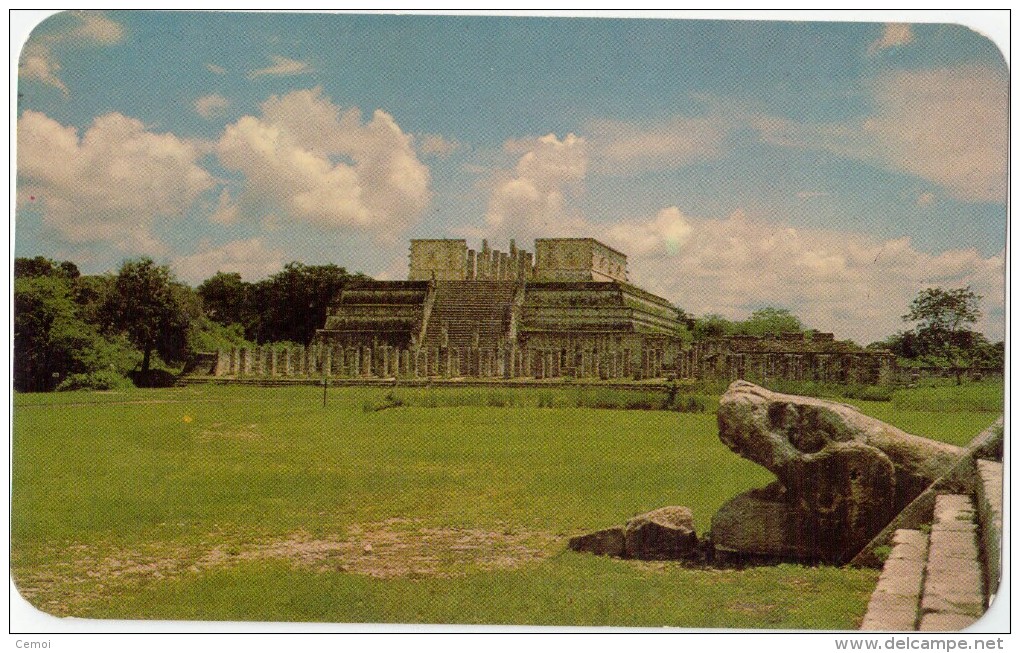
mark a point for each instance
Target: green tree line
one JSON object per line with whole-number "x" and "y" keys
{"x": 141, "y": 323}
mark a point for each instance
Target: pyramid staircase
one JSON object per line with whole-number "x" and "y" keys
{"x": 942, "y": 575}
{"x": 467, "y": 308}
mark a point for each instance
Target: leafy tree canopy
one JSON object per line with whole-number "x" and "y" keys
{"x": 152, "y": 308}
{"x": 942, "y": 333}
{"x": 40, "y": 266}
{"x": 769, "y": 321}
{"x": 947, "y": 311}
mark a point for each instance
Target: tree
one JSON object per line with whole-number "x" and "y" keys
{"x": 41, "y": 304}
{"x": 40, "y": 266}
{"x": 711, "y": 326}
{"x": 226, "y": 298}
{"x": 943, "y": 317}
{"x": 293, "y": 303}
{"x": 769, "y": 321}
{"x": 52, "y": 341}
{"x": 152, "y": 309}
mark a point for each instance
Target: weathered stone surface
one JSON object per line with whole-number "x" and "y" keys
{"x": 760, "y": 522}
{"x": 945, "y": 623}
{"x": 909, "y": 544}
{"x": 607, "y": 542}
{"x": 989, "y": 498}
{"x": 666, "y": 533}
{"x": 895, "y": 601}
{"x": 954, "y": 575}
{"x": 842, "y": 475}
{"x": 890, "y": 612}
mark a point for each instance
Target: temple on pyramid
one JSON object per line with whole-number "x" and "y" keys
{"x": 566, "y": 310}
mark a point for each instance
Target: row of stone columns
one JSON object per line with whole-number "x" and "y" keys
{"x": 388, "y": 362}
{"x": 860, "y": 367}
{"x": 378, "y": 361}
{"x": 383, "y": 361}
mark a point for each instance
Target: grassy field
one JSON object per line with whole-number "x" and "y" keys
{"x": 220, "y": 502}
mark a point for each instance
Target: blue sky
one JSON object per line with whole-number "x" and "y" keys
{"x": 834, "y": 169}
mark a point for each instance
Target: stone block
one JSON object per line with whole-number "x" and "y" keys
{"x": 909, "y": 544}
{"x": 902, "y": 577}
{"x": 666, "y": 533}
{"x": 945, "y": 623}
{"x": 989, "y": 499}
{"x": 954, "y": 544}
{"x": 607, "y": 542}
{"x": 890, "y": 612}
{"x": 953, "y": 511}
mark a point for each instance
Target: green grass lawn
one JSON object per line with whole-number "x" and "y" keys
{"x": 220, "y": 502}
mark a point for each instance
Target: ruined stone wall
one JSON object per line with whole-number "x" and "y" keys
{"x": 493, "y": 265}
{"x": 442, "y": 260}
{"x": 732, "y": 359}
{"x": 578, "y": 259}
{"x": 451, "y": 260}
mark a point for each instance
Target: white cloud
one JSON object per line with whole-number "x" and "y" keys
{"x": 112, "y": 184}
{"x": 436, "y": 144}
{"x": 306, "y": 160}
{"x": 97, "y": 28}
{"x": 226, "y": 211}
{"x": 849, "y": 283}
{"x": 893, "y": 35}
{"x": 250, "y": 258}
{"x": 210, "y": 106}
{"x": 40, "y": 62}
{"x": 282, "y": 67}
{"x": 945, "y": 125}
{"x": 622, "y": 148}
{"x": 530, "y": 200}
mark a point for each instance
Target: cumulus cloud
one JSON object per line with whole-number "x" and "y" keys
{"x": 849, "y": 283}
{"x": 210, "y": 106}
{"x": 226, "y": 210}
{"x": 530, "y": 199}
{"x": 436, "y": 144}
{"x": 39, "y": 58}
{"x": 282, "y": 67}
{"x": 625, "y": 148}
{"x": 945, "y": 125}
{"x": 112, "y": 184}
{"x": 893, "y": 35}
{"x": 306, "y": 160}
{"x": 250, "y": 258}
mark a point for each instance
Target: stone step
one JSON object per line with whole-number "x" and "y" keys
{"x": 466, "y": 308}
{"x": 936, "y": 581}
{"x": 953, "y": 596}
{"x": 896, "y": 598}
{"x": 989, "y": 509}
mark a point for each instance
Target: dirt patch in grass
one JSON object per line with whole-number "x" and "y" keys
{"x": 80, "y": 574}
{"x": 395, "y": 548}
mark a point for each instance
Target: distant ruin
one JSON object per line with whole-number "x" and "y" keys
{"x": 565, "y": 311}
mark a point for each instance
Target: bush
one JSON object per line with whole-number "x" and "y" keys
{"x": 153, "y": 378}
{"x": 99, "y": 380}
{"x": 206, "y": 335}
